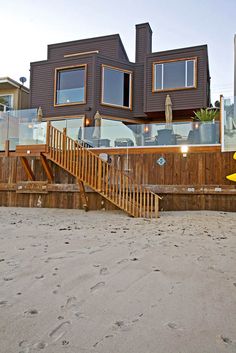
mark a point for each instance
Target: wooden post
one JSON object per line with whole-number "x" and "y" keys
{"x": 64, "y": 147}
{"x": 156, "y": 206}
{"x": 48, "y": 136}
{"x": 7, "y": 148}
{"x": 27, "y": 168}
{"x": 83, "y": 195}
{"x": 221, "y": 119}
{"x": 99, "y": 175}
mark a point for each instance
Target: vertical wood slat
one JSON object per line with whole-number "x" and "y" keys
{"x": 148, "y": 203}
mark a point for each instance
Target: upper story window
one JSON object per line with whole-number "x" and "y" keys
{"x": 70, "y": 85}
{"x": 116, "y": 87}
{"x": 173, "y": 75}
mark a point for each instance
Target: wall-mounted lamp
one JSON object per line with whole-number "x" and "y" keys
{"x": 184, "y": 150}
{"x": 87, "y": 122}
{"x": 146, "y": 129}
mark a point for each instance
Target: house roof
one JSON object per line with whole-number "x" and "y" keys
{"x": 9, "y": 83}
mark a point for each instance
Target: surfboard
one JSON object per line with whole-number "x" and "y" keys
{"x": 231, "y": 177}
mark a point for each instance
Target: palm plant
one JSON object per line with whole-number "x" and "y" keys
{"x": 206, "y": 115}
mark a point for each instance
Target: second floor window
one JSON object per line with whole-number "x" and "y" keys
{"x": 116, "y": 87}
{"x": 172, "y": 75}
{"x": 70, "y": 85}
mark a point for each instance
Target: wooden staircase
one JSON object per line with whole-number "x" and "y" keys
{"x": 102, "y": 177}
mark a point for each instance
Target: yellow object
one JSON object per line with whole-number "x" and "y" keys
{"x": 232, "y": 177}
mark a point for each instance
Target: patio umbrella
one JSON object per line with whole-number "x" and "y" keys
{"x": 39, "y": 115}
{"x": 168, "y": 112}
{"x": 80, "y": 134}
{"x": 97, "y": 126}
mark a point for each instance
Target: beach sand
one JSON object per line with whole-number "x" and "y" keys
{"x": 102, "y": 282}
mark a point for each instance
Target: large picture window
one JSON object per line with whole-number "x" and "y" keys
{"x": 70, "y": 85}
{"x": 116, "y": 87}
{"x": 174, "y": 75}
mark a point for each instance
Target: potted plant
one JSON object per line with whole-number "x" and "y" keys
{"x": 208, "y": 129}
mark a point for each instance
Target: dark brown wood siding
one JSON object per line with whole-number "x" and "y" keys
{"x": 143, "y": 42}
{"x": 109, "y": 46}
{"x": 138, "y": 91}
{"x": 187, "y": 99}
{"x": 42, "y": 87}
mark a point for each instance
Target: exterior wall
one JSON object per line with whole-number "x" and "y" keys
{"x": 42, "y": 87}
{"x": 201, "y": 171}
{"x": 42, "y": 91}
{"x": 185, "y": 99}
{"x": 110, "y": 46}
{"x": 23, "y": 99}
{"x": 145, "y": 103}
{"x": 104, "y": 109}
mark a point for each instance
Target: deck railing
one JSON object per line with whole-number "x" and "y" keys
{"x": 102, "y": 177}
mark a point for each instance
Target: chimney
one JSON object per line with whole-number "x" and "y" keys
{"x": 143, "y": 41}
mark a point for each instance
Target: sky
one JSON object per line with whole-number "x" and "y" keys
{"x": 28, "y": 26}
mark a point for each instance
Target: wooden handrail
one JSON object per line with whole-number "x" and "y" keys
{"x": 113, "y": 184}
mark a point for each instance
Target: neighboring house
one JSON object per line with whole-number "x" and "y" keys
{"x": 84, "y": 76}
{"x": 13, "y": 95}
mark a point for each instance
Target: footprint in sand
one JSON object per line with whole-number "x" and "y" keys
{"x": 7, "y": 279}
{"x": 40, "y": 345}
{"x": 31, "y": 312}
{"x": 97, "y": 286}
{"x": 59, "y": 331}
{"x": 39, "y": 277}
{"x": 172, "y": 325}
{"x": 3, "y": 303}
{"x": 104, "y": 271}
{"x": 27, "y": 347}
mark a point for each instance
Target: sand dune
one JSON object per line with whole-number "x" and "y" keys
{"x": 103, "y": 282}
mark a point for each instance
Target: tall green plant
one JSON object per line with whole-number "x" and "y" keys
{"x": 206, "y": 115}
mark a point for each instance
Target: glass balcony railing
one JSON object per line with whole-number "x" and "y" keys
{"x": 117, "y": 134}
{"x": 229, "y": 124}
{"x": 24, "y": 127}
{"x": 21, "y": 127}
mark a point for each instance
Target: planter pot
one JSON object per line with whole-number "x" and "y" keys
{"x": 207, "y": 132}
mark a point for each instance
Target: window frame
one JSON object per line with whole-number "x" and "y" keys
{"x": 57, "y": 69}
{"x": 12, "y": 99}
{"x": 195, "y": 66}
{"x": 130, "y": 84}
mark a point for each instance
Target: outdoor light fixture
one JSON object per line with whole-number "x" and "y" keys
{"x": 87, "y": 122}
{"x": 184, "y": 150}
{"x": 146, "y": 128}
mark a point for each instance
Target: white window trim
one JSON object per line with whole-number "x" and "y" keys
{"x": 155, "y": 89}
